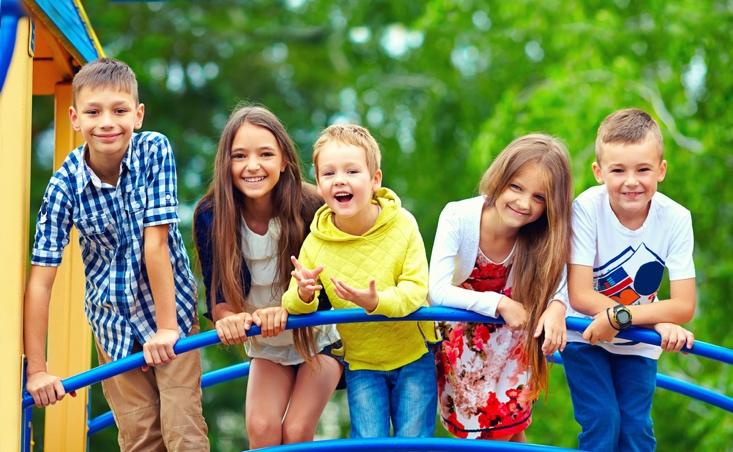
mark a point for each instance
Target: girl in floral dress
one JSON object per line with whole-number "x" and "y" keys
{"x": 503, "y": 253}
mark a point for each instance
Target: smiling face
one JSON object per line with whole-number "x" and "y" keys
{"x": 631, "y": 173}
{"x": 106, "y": 118}
{"x": 523, "y": 201}
{"x": 345, "y": 183}
{"x": 256, "y": 162}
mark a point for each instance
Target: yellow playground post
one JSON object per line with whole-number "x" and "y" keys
{"x": 42, "y": 45}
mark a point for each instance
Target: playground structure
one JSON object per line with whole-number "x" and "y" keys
{"x": 42, "y": 44}
{"x": 357, "y": 315}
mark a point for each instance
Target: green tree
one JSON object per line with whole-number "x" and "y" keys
{"x": 444, "y": 86}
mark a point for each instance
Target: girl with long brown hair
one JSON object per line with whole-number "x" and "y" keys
{"x": 254, "y": 216}
{"x": 503, "y": 253}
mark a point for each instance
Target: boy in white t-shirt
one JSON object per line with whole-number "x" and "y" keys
{"x": 624, "y": 235}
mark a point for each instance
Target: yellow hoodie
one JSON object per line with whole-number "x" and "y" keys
{"x": 393, "y": 254}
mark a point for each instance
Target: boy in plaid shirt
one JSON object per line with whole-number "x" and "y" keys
{"x": 119, "y": 190}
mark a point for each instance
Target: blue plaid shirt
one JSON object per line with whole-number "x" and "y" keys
{"x": 110, "y": 219}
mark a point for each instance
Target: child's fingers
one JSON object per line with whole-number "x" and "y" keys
{"x": 58, "y": 389}
{"x": 169, "y": 350}
{"x": 147, "y": 355}
{"x": 221, "y": 332}
{"x": 247, "y": 322}
{"x": 295, "y": 262}
{"x": 538, "y": 330}
{"x": 689, "y": 339}
{"x": 283, "y": 318}
{"x": 316, "y": 271}
{"x": 373, "y": 287}
{"x": 155, "y": 356}
{"x": 256, "y": 319}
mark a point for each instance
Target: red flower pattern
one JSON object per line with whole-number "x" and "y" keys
{"x": 482, "y": 368}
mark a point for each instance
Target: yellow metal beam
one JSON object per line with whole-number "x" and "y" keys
{"x": 15, "y": 169}
{"x": 69, "y": 335}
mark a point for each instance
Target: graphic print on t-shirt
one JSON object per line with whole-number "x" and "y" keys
{"x": 632, "y": 277}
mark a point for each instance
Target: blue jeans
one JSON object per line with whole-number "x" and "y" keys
{"x": 612, "y": 398}
{"x": 406, "y": 395}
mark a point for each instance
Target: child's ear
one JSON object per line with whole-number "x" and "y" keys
{"x": 597, "y": 172}
{"x": 377, "y": 180}
{"x": 74, "y": 118}
{"x": 662, "y": 171}
{"x": 139, "y": 115}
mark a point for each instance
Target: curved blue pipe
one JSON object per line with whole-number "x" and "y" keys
{"x": 10, "y": 12}
{"x": 410, "y": 444}
{"x": 208, "y": 379}
{"x": 681, "y": 387}
{"x": 354, "y": 316}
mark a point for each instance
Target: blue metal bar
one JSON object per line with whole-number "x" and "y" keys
{"x": 208, "y": 379}
{"x": 681, "y": 387}
{"x": 354, "y": 316}
{"x": 410, "y": 444}
{"x": 10, "y": 12}
{"x": 649, "y": 336}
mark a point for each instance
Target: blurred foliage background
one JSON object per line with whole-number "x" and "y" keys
{"x": 444, "y": 85}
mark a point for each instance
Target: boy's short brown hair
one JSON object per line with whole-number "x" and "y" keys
{"x": 106, "y": 72}
{"x": 354, "y": 135}
{"x": 628, "y": 126}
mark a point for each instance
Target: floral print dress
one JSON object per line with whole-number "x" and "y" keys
{"x": 483, "y": 368}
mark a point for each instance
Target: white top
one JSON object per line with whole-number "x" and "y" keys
{"x": 628, "y": 265}
{"x": 455, "y": 249}
{"x": 260, "y": 253}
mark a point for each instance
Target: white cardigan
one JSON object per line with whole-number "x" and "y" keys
{"x": 453, "y": 258}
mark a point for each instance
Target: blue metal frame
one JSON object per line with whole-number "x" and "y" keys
{"x": 410, "y": 444}
{"x": 359, "y": 316}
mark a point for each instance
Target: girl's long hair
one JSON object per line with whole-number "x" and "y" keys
{"x": 543, "y": 246}
{"x": 294, "y": 204}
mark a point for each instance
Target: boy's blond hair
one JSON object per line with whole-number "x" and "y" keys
{"x": 105, "y": 73}
{"x": 628, "y": 126}
{"x": 354, "y": 135}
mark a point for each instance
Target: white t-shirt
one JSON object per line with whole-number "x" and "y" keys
{"x": 260, "y": 252}
{"x": 628, "y": 265}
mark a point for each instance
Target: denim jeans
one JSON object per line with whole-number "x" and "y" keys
{"x": 612, "y": 398}
{"x": 407, "y": 396}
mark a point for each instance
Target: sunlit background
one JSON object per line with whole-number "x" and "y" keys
{"x": 444, "y": 86}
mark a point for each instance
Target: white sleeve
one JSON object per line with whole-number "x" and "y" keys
{"x": 584, "y": 236}
{"x": 679, "y": 260}
{"x": 443, "y": 262}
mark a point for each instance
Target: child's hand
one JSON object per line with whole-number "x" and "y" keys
{"x": 271, "y": 321}
{"x": 307, "y": 280}
{"x": 159, "y": 348}
{"x": 552, "y": 322}
{"x": 600, "y": 329}
{"x": 513, "y": 313}
{"x": 232, "y": 329}
{"x": 46, "y": 389}
{"x": 365, "y": 298}
{"x": 674, "y": 337}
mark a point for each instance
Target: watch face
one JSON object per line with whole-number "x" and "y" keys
{"x": 623, "y": 317}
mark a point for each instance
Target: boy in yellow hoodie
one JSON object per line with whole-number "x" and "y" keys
{"x": 366, "y": 251}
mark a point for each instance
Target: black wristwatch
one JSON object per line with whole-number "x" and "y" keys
{"x": 622, "y": 316}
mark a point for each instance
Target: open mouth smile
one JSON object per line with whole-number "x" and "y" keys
{"x": 343, "y": 197}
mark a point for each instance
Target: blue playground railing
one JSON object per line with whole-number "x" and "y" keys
{"x": 357, "y": 316}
